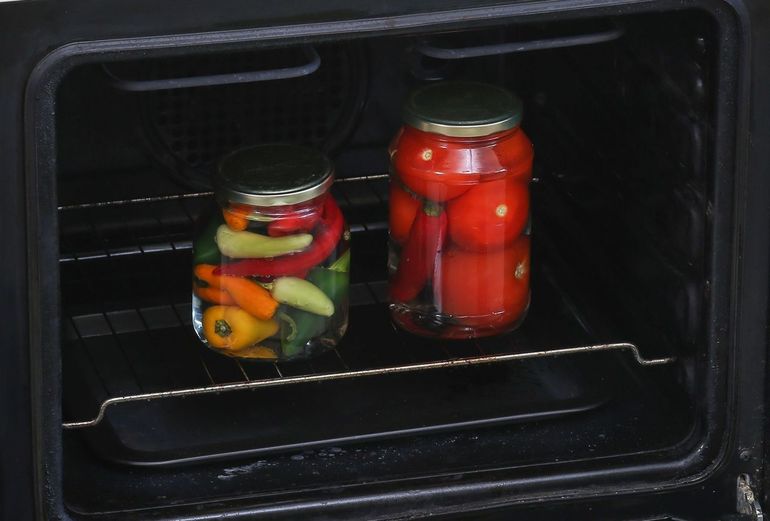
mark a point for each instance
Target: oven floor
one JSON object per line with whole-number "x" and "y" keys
{"x": 646, "y": 415}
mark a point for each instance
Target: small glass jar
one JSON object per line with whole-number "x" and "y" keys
{"x": 271, "y": 263}
{"x": 459, "y": 212}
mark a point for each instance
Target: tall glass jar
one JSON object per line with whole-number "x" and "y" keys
{"x": 459, "y": 212}
{"x": 271, "y": 262}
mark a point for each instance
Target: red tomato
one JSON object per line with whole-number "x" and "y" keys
{"x": 490, "y": 215}
{"x": 515, "y": 154}
{"x": 403, "y": 208}
{"x": 485, "y": 289}
{"x": 437, "y": 188}
{"x": 441, "y": 168}
{"x": 435, "y": 167}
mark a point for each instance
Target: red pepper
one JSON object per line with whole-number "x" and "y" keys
{"x": 293, "y": 224}
{"x": 418, "y": 258}
{"x": 326, "y": 239}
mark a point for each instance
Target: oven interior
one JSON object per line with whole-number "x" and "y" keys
{"x": 608, "y": 363}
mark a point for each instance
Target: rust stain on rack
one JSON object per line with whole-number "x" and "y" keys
{"x": 458, "y": 362}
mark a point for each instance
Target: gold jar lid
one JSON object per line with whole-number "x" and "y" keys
{"x": 462, "y": 109}
{"x": 273, "y": 175}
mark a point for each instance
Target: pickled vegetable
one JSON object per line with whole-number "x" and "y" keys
{"x": 334, "y": 283}
{"x": 251, "y": 297}
{"x": 418, "y": 258}
{"x": 403, "y": 209}
{"x": 327, "y": 238}
{"x": 213, "y": 295}
{"x": 243, "y": 244}
{"x": 489, "y": 216}
{"x": 301, "y": 294}
{"x": 229, "y": 327}
{"x": 295, "y": 310}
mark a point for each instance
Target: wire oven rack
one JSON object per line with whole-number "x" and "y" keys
{"x": 139, "y": 345}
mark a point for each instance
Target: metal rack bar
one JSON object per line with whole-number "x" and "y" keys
{"x": 193, "y": 195}
{"x": 165, "y": 241}
{"x": 459, "y": 362}
{"x": 97, "y": 232}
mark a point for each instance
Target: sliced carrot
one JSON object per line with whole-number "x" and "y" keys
{"x": 250, "y": 296}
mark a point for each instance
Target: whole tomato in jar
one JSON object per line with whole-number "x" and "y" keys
{"x": 490, "y": 215}
{"x": 436, "y": 169}
{"x": 483, "y": 288}
{"x": 403, "y": 209}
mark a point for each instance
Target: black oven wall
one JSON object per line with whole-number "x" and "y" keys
{"x": 30, "y": 373}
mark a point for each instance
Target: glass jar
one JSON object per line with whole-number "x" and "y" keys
{"x": 459, "y": 212}
{"x": 271, "y": 263}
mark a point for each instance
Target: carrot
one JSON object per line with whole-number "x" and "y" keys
{"x": 214, "y": 295}
{"x": 205, "y": 272}
{"x": 235, "y": 220}
{"x": 250, "y": 296}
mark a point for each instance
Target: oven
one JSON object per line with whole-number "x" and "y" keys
{"x": 634, "y": 389}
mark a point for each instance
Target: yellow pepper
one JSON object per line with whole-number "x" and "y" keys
{"x": 231, "y": 328}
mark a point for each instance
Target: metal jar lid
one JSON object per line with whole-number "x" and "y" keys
{"x": 273, "y": 175}
{"x": 462, "y": 109}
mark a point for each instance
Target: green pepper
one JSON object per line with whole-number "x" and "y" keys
{"x": 343, "y": 263}
{"x": 205, "y": 250}
{"x": 309, "y": 325}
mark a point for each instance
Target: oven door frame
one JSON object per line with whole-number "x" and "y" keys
{"x": 733, "y": 404}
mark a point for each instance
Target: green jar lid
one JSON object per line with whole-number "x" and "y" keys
{"x": 462, "y": 109}
{"x": 273, "y": 175}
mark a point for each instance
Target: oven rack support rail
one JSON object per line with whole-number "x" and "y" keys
{"x": 312, "y": 378}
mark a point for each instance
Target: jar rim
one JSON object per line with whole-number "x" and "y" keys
{"x": 462, "y": 109}
{"x": 273, "y": 175}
